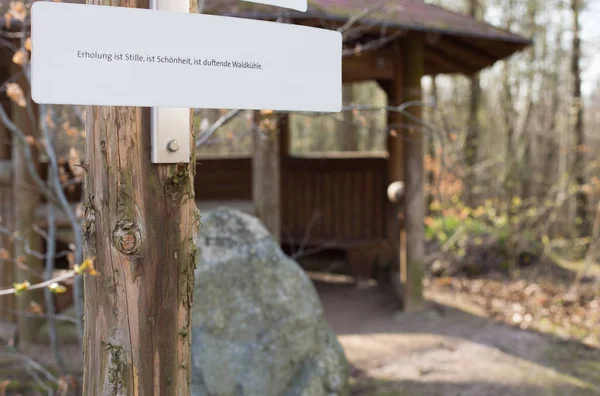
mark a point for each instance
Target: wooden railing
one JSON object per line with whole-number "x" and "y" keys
{"x": 334, "y": 200}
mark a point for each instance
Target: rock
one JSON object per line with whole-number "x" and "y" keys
{"x": 258, "y": 325}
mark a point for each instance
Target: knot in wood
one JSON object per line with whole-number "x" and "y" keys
{"x": 127, "y": 238}
{"x": 127, "y": 243}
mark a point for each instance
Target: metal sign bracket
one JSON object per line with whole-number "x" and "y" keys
{"x": 170, "y": 127}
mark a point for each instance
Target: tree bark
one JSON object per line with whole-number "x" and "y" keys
{"x": 583, "y": 223}
{"x": 7, "y": 221}
{"x": 140, "y": 228}
{"x": 431, "y": 146}
{"x": 266, "y": 165}
{"x": 472, "y": 139}
{"x": 413, "y": 173}
{"x": 7, "y": 303}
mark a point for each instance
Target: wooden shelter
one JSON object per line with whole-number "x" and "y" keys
{"x": 392, "y": 42}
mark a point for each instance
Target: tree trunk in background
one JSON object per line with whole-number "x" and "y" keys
{"x": 472, "y": 140}
{"x": 347, "y": 133}
{"x": 555, "y": 159}
{"x": 431, "y": 145}
{"x": 510, "y": 182}
{"x": 140, "y": 227}
{"x": 266, "y": 183}
{"x": 526, "y": 133}
{"x": 413, "y": 173}
{"x": 582, "y": 220}
{"x": 7, "y": 303}
{"x": 27, "y": 200}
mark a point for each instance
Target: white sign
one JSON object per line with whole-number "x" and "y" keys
{"x": 117, "y": 56}
{"x": 300, "y": 5}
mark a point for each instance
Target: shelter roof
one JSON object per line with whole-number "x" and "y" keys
{"x": 455, "y": 43}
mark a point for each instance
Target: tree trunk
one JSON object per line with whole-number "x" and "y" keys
{"x": 472, "y": 140}
{"x": 413, "y": 174}
{"x": 525, "y": 134}
{"x": 266, "y": 184}
{"x": 140, "y": 228}
{"x": 27, "y": 200}
{"x": 582, "y": 223}
{"x": 7, "y": 303}
{"x": 431, "y": 145}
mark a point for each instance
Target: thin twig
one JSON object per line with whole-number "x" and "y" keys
{"x": 62, "y": 318}
{"x": 65, "y": 276}
{"x": 49, "y": 270}
{"x": 204, "y": 136}
{"x": 31, "y": 363}
{"x": 75, "y": 225}
{"x": 16, "y": 131}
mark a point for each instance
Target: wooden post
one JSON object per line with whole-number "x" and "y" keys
{"x": 285, "y": 138}
{"x": 266, "y": 176}
{"x": 347, "y": 133}
{"x": 414, "y": 65}
{"x": 395, "y": 146}
{"x": 140, "y": 228}
{"x": 27, "y": 199}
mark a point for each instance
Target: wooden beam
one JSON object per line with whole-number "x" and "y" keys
{"x": 266, "y": 172}
{"x": 395, "y": 171}
{"x": 461, "y": 55}
{"x": 438, "y": 55}
{"x": 414, "y": 64}
{"x": 371, "y": 65}
{"x": 447, "y": 63}
{"x": 482, "y": 52}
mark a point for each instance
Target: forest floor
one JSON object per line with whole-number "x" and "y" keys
{"x": 453, "y": 348}
{"x": 480, "y": 336}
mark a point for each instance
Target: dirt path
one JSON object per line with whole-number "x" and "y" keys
{"x": 450, "y": 350}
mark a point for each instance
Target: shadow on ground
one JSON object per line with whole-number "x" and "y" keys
{"x": 448, "y": 350}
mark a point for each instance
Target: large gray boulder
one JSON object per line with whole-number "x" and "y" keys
{"x": 258, "y": 325}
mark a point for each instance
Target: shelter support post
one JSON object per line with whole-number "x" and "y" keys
{"x": 395, "y": 172}
{"x": 266, "y": 170}
{"x": 414, "y": 208}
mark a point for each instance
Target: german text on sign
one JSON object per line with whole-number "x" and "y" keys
{"x": 116, "y": 56}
